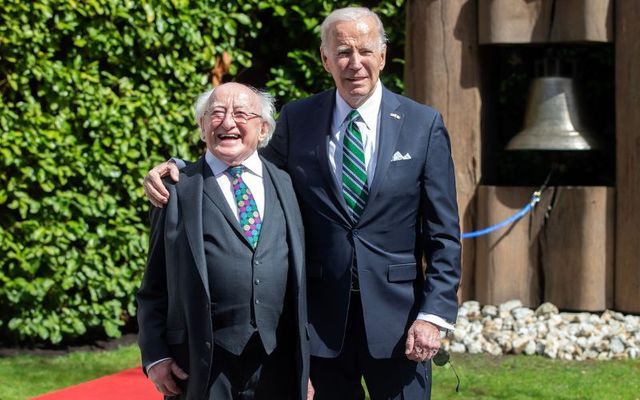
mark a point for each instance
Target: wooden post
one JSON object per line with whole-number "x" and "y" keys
{"x": 545, "y": 21}
{"x": 506, "y": 259}
{"x": 442, "y": 70}
{"x": 577, "y": 247}
{"x": 627, "y": 271}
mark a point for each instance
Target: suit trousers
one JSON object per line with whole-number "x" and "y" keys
{"x": 254, "y": 375}
{"x": 386, "y": 379}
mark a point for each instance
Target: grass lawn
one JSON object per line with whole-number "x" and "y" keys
{"x": 483, "y": 377}
{"x": 535, "y": 377}
{"x": 22, "y": 377}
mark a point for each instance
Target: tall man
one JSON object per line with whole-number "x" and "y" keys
{"x": 222, "y": 305}
{"x": 375, "y": 179}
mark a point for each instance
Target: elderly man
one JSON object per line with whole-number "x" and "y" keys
{"x": 222, "y": 305}
{"x": 375, "y": 180}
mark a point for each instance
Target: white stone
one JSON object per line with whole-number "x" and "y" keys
{"x": 555, "y": 320}
{"x": 616, "y": 346}
{"x": 546, "y": 309}
{"x": 582, "y": 342}
{"x": 586, "y": 329}
{"x": 521, "y": 313}
{"x": 551, "y": 348}
{"x": 490, "y": 311}
{"x": 512, "y": 328}
{"x": 507, "y": 323}
{"x": 507, "y": 306}
{"x": 457, "y": 348}
{"x": 531, "y": 347}
{"x": 474, "y": 348}
{"x": 469, "y": 305}
{"x": 505, "y": 341}
{"x": 491, "y": 348}
{"x": 610, "y": 314}
{"x": 520, "y": 343}
{"x": 460, "y": 333}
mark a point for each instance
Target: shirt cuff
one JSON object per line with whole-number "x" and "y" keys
{"x": 153, "y": 364}
{"x": 179, "y": 162}
{"x": 438, "y": 321}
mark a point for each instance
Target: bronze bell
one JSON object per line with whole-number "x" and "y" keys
{"x": 553, "y": 120}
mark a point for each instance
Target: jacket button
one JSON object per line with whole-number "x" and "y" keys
{"x": 257, "y": 301}
{"x": 256, "y": 262}
{"x": 208, "y": 344}
{"x": 257, "y": 281}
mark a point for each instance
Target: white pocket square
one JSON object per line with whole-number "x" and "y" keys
{"x": 397, "y": 156}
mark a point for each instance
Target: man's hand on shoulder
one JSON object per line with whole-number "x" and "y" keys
{"x": 162, "y": 375}
{"x": 423, "y": 341}
{"x": 154, "y": 188}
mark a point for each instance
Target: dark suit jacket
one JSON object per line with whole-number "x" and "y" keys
{"x": 411, "y": 212}
{"x": 174, "y": 302}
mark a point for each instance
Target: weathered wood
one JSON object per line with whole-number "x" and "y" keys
{"x": 543, "y": 21}
{"x": 507, "y": 259}
{"x": 442, "y": 70}
{"x": 577, "y": 248}
{"x": 513, "y": 21}
{"x": 627, "y": 270}
{"x": 583, "y": 21}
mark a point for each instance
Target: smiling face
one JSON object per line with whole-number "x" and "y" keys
{"x": 231, "y": 141}
{"x": 354, "y": 57}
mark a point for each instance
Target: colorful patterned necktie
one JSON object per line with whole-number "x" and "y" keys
{"x": 248, "y": 214}
{"x": 354, "y": 172}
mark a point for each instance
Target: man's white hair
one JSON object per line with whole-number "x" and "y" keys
{"x": 200, "y": 108}
{"x": 350, "y": 14}
{"x": 267, "y": 110}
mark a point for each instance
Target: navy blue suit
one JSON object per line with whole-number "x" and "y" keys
{"x": 411, "y": 212}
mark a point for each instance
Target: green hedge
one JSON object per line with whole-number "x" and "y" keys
{"x": 93, "y": 93}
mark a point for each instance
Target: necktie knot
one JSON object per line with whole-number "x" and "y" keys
{"x": 353, "y": 116}
{"x": 236, "y": 171}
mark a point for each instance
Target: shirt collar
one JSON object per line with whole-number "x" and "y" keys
{"x": 252, "y": 164}
{"x": 368, "y": 110}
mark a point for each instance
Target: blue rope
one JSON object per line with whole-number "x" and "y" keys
{"x": 521, "y": 213}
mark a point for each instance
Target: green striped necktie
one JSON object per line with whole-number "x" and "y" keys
{"x": 354, "y": 173}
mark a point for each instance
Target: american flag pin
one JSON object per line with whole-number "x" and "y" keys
{"x": 394, "y": 115}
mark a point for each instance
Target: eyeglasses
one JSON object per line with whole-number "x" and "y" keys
{"x": 441, "y": 358}
{"x": 240, "y": 117}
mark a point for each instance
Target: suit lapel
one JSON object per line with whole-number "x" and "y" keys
{"x": 391, "y": 121}
{"x": 213, "y": 194}
{"x": 189, "y": 191}
{"x": 323, "y": 131}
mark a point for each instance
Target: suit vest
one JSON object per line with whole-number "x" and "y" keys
{"x": 247, "y": 287}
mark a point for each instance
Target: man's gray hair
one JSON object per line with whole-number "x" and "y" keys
{"x": 267, "y": 111}
{"x": 200, "y": 108}
{"x": 350, "y": 14}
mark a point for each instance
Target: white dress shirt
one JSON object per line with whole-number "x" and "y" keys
{"x": 368, "y": 124}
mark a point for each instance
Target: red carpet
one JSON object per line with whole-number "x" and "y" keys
{"x": 130, "y": 384}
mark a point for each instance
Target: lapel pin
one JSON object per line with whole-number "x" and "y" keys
{"x": 394, "y": 115}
